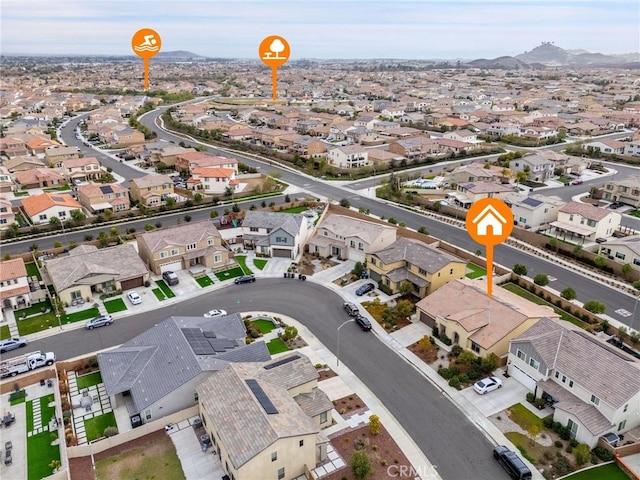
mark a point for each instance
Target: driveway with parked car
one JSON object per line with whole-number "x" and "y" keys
{"x": 512, "y": 392}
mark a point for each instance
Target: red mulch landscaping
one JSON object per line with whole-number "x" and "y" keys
{"x": 326, "y": 373}
{"x": 382, "y": 450}
{"x": 349, "y": 405}
{"x": 428, "y": 355}
{"x": 81, "y": 468}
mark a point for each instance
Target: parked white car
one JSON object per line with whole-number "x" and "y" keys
{"x": 134, "y": 298}
{"x": 487, "y": 385}
{"x": 215, "y": 313}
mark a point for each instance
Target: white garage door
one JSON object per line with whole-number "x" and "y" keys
{"x": 524, "y": 378}
{"x": 356, "y": 256}
{"x": 171, "y": 267}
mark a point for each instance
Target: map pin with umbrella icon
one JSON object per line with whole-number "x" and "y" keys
{"x": 274, "y": 52}
{"x": 146, "y": 43}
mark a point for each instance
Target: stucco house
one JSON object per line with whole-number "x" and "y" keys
{"x": 39, "y": 178}
{"x": 87, "y": 270}
{"x": 183, "y": 246}
{"x": 156, "y": 373}
{"x": 350, "y": 238}
{"x": 625, "y": 190}
{"x": 594, "y": 386}
{"x": 423, "y": 266}
{"x": 470, "y": 193}
{"x": 584, "y": 222}
{"x": 351, "y": 156}
{"x": 275, "y": 234}
{"x": 212, "y": 180}
{"x": 14, "y": 284}
{"x": 83, "y": 169}
{"x": 40, "y": 208}
{"x": 464, "y": 312}
{"x": 151, "y": 190}
{"x": 279, "y": 432}
{"x": 98, "y": 197}
{"x": 539, "y": 168}
{"x": 623, "y": 250}
{"x": 533, "y": 211}
{"x": 7, "y": 215}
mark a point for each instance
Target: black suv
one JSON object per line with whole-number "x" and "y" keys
{"x": 512, "y": 463}
{"x": 245, "y": 279}
{"x": 364, "y": 322}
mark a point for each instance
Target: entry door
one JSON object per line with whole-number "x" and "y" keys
{"x": 573, "y": 428}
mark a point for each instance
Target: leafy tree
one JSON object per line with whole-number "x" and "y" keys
{"x": 635, "y": 338}
{"x": 361, "y": 465}
{"x": 77, "y": 215}
{"x": 405, "y": 288}
{"x": 582, "y": 453}
{"x": 425, "y": 343}
{"x": 148, "y": 227}
{"x": 568, "y": 293}
{"x": 374, "y": 424}
{"x": 345, "y": 203}
{"x": 489, "y": 363}
{"x": 392, "y": 221}
{"x": 553, "y": 243}
{"x": 626, "y": 269}
{"x": 622, "y": 332}
{"x": 423, "y": 230}
{"x": 170, "y": 201}
{"x": 55, "y": 221}
{"x": 289, "y": 333}
{"x": 404, "y": 309}
{"x": 520, "y": 269}
{"x": 466, "y": 357}
{"x": 197, "y": 197}
{"x": 533, "y": 431}
{"x": 357, "y": 269}
{"x": 541, "y": 279}
{"x": 600, "y": 261}
{"x": 577, "y": 251}
{"x": 595, "y": 306}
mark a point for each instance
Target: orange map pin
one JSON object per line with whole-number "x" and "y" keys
{"x": 489, "y": 222}
{"x": 274, "y": 52}
{"x": 146, "y": 43}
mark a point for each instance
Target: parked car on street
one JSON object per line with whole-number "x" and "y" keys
{"x": 215, "y": 313}
{"x": 487, "y": 385}
{"x": 512, "y": 463}
{"x": 366, "y": 288}
{"x": 100, "y": 321}
{"x": 351, "y": 308}
{"x": 577, "y": 181}
{"x": 363, "y": 322}
{"x": 134, "y": 298}
{"x": 12, "y": 344}
{"x": 245, "y": 279}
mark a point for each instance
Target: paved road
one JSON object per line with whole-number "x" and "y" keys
{"x": 436, "y": 425}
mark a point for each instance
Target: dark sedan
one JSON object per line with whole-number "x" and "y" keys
{"x": 366, "y": 288}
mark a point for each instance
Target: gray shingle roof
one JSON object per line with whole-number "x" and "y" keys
{"x": 182, "y": 235}
{"x": 160, "y": 360}
{"x": 289, "y": 222}
{"x": 314, "y": 403}
{"x": 416, "y": 253}
{"x": 611, "y": 376}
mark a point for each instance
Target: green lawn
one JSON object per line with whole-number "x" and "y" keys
{"x": 40, "y": 453}
{"x": 635, "y": 213}
{"x": 33, "y": 309}
{"x": 277, "y": 345}
{"x": 204, "y": 281}
{"x": 525, "y": 417}
{"x": 46, "y": 412}
{"x": 32, "y": 270}
{"x": 29, "y": 410}
{"x": 62, "y": 188}
{"x": 260, "y": 263}
{"x": 4, "y": 332}
{"x": 231, "y": 273}
{"x": 513, "y": 288}
{"x": 476, "y": 271}
{"x": 165, "y": 289}
{"x": 88, "y": 380}
{"x": 158, "y": 293}
{"x": 242, "y": 261}
{"x": 81, "y": 315}
{"x": 49, "y": 320}
{"x": 533, "y": 453}
{"x": 610, "y": 471}
{"x": 265, "y": 326}
{"x": 95, "y": 426}
{"x": 295, "y": 210}
{"x": 115, "y": 305}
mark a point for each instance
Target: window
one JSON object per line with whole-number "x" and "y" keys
{"x": 570, "y": 383}
{"x": 42, "y": 217}
{"x": 373, "y": 261}
{"x": 163, "y": 254}
{"x": 323, "y": 417}
{"x": 625, "y": 408}
{"x": 280, "y": 473}
{"x": 475, "y": 347}
{"x": 620, "y": 255}
{"x": 210, "y": 242}
{"x": 274, "y": 456}
{"x": 521, "y": 355}
{"x": 301, "y": 443}
{"x": 622, "y": 424}
{"x": 147, "y": 414}
{"x": 636, "y": 261}
{"x": 352, "y": 243}
{"x": 253, "y": 229}
{"x": 360, "y": 246}
{"x": 451, "y": 271}
{"x": 534, "y": 363}
{"x": 174, "y": 251}
{"x": 422, "y": 271}
{"x": 522, "y": 220}
{"x": 595, "y": 400}
{"x": 191, "y": 246}
{"x": 217, "y": 258}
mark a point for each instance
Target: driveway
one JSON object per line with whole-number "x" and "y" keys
{"x": 512, "y": 392}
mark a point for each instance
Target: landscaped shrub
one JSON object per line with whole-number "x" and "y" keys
{"x": 603, "y": 454}
{"x": 569, "y": 449}
{"x": 573, "y": 442}
{"x": 582, "y": 454}
{"x": 110, "y": 431}
{"x": 448, "y": 373}
{"x": 454, "y": 382}
{"x": 474, "y": 373}
{"x": 446, "y": 340}
{"x": 464, "y": 378}
{"x": 531, "y": 397}
{"x": 562, "y": 467}
{"x": 456, "y": 350}
{"x": 547, "y": 421}
{"x": 558, "y": 444}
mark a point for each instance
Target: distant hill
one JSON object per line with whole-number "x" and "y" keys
{"x": 553, "y": 56}
{"x": 178, "y": 55}
{"x": 506, "y": 63}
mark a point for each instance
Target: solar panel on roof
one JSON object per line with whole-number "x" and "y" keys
{"x": 221, "y": 344}
{"x": 209, "y": 334}
{"x": 532, "y": 202}
{"x": 197, "y": 341}
{"x": 281, "y": 362}
{"x": 57, "y": 199}
{"x": 261, "y": 396}
{"x": 106, "y": 189}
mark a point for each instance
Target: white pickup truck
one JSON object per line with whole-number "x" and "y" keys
{"x": 25, "y": 363}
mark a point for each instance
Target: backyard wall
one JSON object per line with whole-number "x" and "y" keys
{"x": 110, "y": 442}
{"x": 43, "y": 373}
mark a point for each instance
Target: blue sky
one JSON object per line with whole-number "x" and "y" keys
{"x": 323, "y": 28}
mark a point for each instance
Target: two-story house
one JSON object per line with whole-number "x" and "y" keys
{"x": 625, "y": 190}
{"x": 13, "y": 147}
{"x": 97, "y": 197}
{"x": 55, "y": 155}
{"x": 212, "y": 180}
{"x": 423, "y": 266}
{"x": 469, "y": 193}
{"x": 414, "y": 148}
{"x": 477, "y": 172}
{"x": 14, "y": 284}
{"x": 127, "y": 136}
{"x": 535, "y": 211}
{"x": 151, "y": 190}
{"x": 594, "y": 386}
{"x": 350, "y": 238}
{"x": 350, "y": 156}
{"x": 538, "y": 168}
{"x": 279, "y": 432}
{"x": 584, "y": 222}
{"x": 275, "y": 234}
{"x": 7, "y": 215}
{"x": 189, "y": 161}
{"x": 623, "y": 250}
{"x": 182, "y": 247}
{"x": 40, "y": 208}
{"x": 82, "y": 169}
{"x": 632, "y": 148}
{"x": 464, "y": 312}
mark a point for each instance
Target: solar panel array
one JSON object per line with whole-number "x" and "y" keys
{"x": 281, "y": 362}
{"x": 106, "y": 189}
{"x": 261, "y": 396}
{"x": 532, "y": 202}
{"x": 198, "y": 342}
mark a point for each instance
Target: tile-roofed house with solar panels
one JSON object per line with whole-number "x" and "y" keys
{"x": 265, "y": 420}
{"x": 40, "y": 208}
{"x": 533, "y": 212}
{"x": 156, "y": 373}
{"x": 99, "y": 197}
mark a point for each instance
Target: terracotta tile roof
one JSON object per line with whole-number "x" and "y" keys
{"x": 38, "y": 203}
{"x": 20, "y": 290}
{"x": 586, "y": 210}
{"x": 80, "y": 162}
{"x": 11, "y": 269}
{"x": 213, "y": 172}
{"x": 33, "y": 175}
